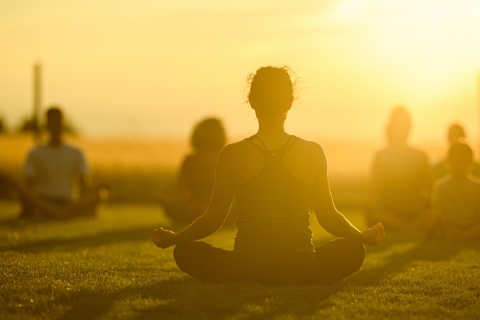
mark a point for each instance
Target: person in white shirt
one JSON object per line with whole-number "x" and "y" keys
{"x": 51, "y": 171}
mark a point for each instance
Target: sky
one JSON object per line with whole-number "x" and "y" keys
{"x": 151, "y": 68}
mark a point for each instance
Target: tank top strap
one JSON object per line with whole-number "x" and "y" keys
{"x": 257, "y": 143}
{"x": 279, "y": 154}
{"x": 290, "y": 142}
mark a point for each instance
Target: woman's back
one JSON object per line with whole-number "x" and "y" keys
{"x": 273, "y": 193}
{"x": 301, "y": 160}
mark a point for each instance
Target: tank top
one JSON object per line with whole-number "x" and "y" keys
{"x": 273, "y": 212}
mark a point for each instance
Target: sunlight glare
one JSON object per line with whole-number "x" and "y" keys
{"x": 346, "y": 11}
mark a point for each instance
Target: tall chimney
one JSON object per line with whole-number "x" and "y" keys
{"x": 37, "y": 98}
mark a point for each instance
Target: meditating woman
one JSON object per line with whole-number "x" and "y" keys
{"x": 276, "y": 177}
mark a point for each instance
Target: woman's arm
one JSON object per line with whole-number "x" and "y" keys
{"x": 216, "y": 213}
{"x": 327, "y": 215}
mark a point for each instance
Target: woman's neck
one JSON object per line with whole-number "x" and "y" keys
{"x": 272, "y": 132}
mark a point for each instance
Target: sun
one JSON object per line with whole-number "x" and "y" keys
{"x": 347, "y": 11}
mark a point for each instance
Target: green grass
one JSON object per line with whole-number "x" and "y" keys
{"x": 108, "y": 269}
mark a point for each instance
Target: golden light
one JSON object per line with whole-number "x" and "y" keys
{"x": 346, "y": 11}
{"x": 144, "y": 65}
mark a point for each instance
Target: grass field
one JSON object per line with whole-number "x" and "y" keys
{"x": 107, "y": 268}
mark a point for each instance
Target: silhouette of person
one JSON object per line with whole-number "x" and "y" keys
{"x": 197, "y": 174}
{"x": 401, "y": 179}
{"x": 50, "y": 173}
{"x": 276, "y": 177}
{"x": 456, "y": 196}
{"x": 455, "y": 134}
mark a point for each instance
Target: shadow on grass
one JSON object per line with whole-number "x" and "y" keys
{"x": 142, "y": 233}
{"x": 422, "y": 250}
{"x": 9, "y": 223}
{"x": 15, "y": 223}
{"x": 87, "y": 241}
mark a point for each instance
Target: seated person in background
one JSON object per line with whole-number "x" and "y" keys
{"x": 50, "y": 172}
{"x": 401, "y": 180}
{"x": 197, "y": 174}
{"x": 455, "y": 133}
{"x": 456, "y": 197}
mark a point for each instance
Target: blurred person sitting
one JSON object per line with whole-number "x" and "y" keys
{"x": 197, "y": 174}
{"x": 51, "y": 172}
{"x": 276, "y": 178}
{"x": 455, "y": 134}
{"x": 400, "y": 179}
{"x": 456, "y": 197}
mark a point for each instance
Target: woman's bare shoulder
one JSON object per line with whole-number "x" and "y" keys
{"x": 309, "y": 148}
{"x": 236, "y": 146}
{"x": 234, "y": 149}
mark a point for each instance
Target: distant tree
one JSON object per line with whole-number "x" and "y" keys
{"x": 28, "y": 125}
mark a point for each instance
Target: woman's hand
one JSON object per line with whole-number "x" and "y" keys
{"x": 374, "y": 235}
{"x": 163, "y": 238}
